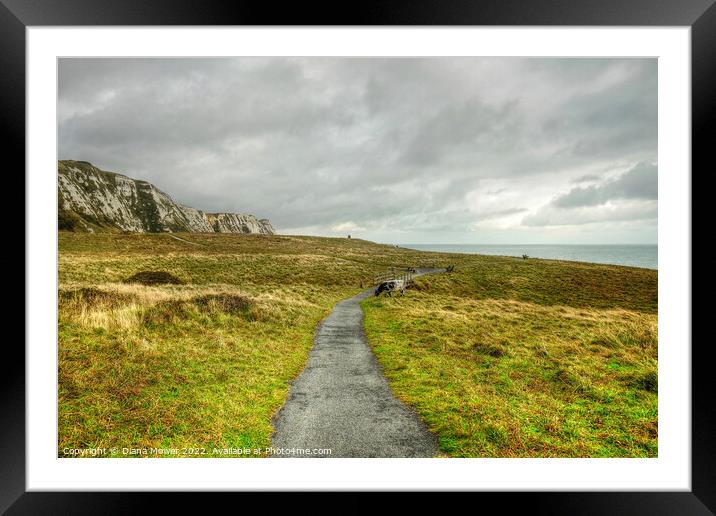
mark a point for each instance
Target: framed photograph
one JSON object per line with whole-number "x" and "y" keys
{"x": 440, "y": 249}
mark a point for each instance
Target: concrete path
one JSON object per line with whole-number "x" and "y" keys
{"x": 342, "y": 401}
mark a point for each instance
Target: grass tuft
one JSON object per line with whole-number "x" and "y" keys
{"x": 493, "y": 350}
{"x": 93, "y": 296}
{"x": 229, "y": 303}
{"x": 648, "y": 381}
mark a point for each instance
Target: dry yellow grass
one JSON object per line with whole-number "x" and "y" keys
{"x": 512, "y": 378}
{"x": 501, "y": 358}
{"x": 203, "y": 364}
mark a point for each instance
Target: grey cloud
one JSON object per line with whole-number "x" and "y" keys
{"x": 631, "y": 196}
{"x": 638, "y": 183}
{"x": 493, "y": 214}
{"x": 469, "y": 127}
{"x": 552, "y": 216}
{"x": 392, "y": 143}
{"x": 611, "y": 122}
{"x": 586, "y": 178}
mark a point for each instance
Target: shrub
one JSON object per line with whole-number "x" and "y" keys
{"x": 154, "y": 278}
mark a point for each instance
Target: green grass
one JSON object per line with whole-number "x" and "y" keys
{"x": 179, "y": 365}
{"x": 526, "y": 359}
{"x": 503, "y": 357}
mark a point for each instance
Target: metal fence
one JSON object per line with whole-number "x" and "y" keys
{"x": 394, "y": 273}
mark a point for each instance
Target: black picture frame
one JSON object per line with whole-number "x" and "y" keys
{"x": 700, "y": 15}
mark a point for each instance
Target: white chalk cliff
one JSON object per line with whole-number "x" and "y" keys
{"x": 89, "y": 199}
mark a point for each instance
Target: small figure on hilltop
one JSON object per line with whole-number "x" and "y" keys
{"x": 524, "y": 256}
{"x": 349, "y": 237}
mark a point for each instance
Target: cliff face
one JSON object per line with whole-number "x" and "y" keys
{"x": 238, "y": 223}
{"x": 90, "y": 198}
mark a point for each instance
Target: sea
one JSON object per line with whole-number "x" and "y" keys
{"x": 645, "y": 256}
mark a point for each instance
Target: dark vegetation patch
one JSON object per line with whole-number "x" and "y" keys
{"x": 418, "y": 286}
{"x": 229, "y": 303}
{"x": 154, "y": 278}
{"x": 493, "y": 350}
{"x": 91, "y": 295}
{"x": 67, "y": 221}
{"x": 604, "y": 343}
{"x": 648, "y": 381}
{"x": 496, "y": 435}
{"x": 66, "y": 224}
{"x": 173, "y": 310}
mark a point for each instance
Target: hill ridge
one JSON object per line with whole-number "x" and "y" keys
{"x": 91, "y": 199}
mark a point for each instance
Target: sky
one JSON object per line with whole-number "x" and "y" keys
{"x": 395, "y": 150}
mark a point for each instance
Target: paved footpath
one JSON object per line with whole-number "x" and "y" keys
{"x": 342, "y": 400}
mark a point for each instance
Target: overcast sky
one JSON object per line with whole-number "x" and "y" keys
{"x": 439, "y": 150}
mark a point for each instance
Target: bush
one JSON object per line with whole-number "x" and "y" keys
{"x": 154, "y": 278}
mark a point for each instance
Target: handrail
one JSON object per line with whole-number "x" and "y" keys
{"x": 394, "y": 274}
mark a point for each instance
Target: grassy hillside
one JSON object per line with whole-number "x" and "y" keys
{"x": 500, "y": 357}
{"x": 200, "y": 363}
{"x": 512, "y": 358}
